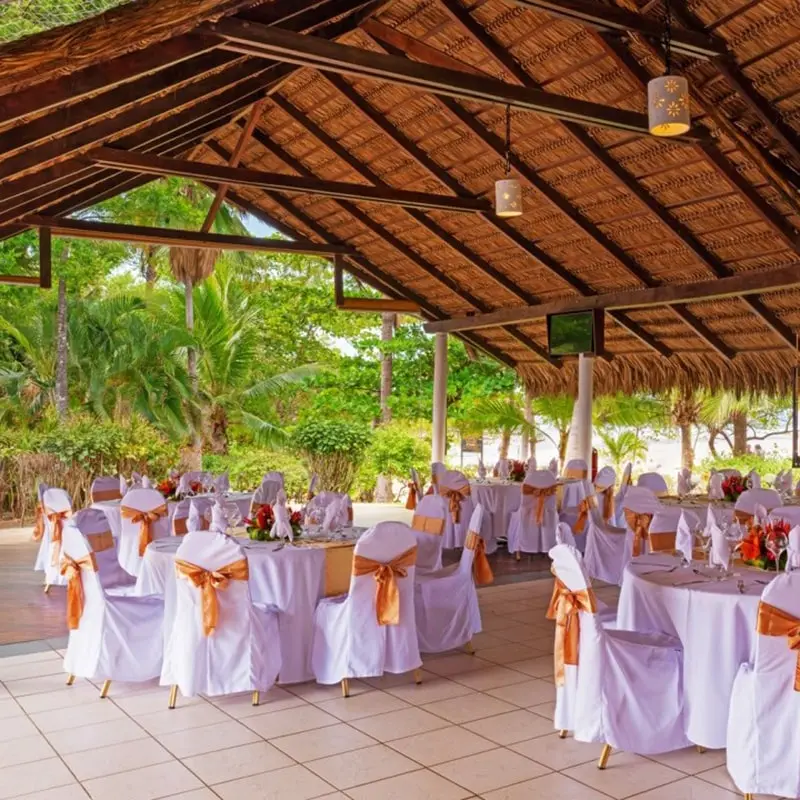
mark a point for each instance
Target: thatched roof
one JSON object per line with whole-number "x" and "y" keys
{"x": 605, "y": 209}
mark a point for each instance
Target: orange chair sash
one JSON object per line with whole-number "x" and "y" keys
{"x": 387, "y": 593}
{"x": 662, "y": 542}
{"x": 71, "y": 570}
{"x": 454, "y": 498}
{"x": 541, "y": 493}
{"x": 608, "y": 502}
{"x": 56, "y": 519}
{"x": 103, "y": 495}
{"x": 639, "y": 524}
{"x": 145, "y": 520}
{"x": 564, "y": 608}
{"x": 209, "y": 582}
{"x": 432, "y": 525}
{"x": 774, "y": 621}
{"x": 481, "y": 569}
{"x": 38, "y": 523}
{"x": 411, "y": 500}
{"x": 179, "y": 525}
{"x": 583, "y": 514}
{"x": 100, "y": 541}
{"x": 574, "y": 473}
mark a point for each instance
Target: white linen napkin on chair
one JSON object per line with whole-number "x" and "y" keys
{"x": 684, "y": 538}
{"x": 793, "y": 549}
{"x": 194, "y": 520}
{"x": 754, "y": 479}
{"x": 720, "y": 548}
{"x": 219, "y": 519}
{"x": 332, "y": 515}
{"x": 715, "y": 486}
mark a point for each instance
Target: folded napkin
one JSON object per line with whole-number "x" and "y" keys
{"x": 123, "y": 485}
{"x": 753, "y": 479}
{"x": 136, "y": 480}
{"x": 335, "y": 514}
{"x": 720, "y": 547}
{"x": 503, "y": 468}
{"x": 684, "y": 538}
{"x": 793, "y": 549}
{"x": 787, "y": 482}
{"x": 184, "y": 486}
{"x": 194, "y": 520}
{"x": 219, "y": 518}
{"x": 553, "y": 466}
{"x": 146, "y": 482}
{"x": 684, "y": 484}
{"x": 715, "y": 486}
{"x": 481, "y": 469}
{"x": 760, "y": 514}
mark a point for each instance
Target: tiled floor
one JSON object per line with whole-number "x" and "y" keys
{"x": 478, "y": 726}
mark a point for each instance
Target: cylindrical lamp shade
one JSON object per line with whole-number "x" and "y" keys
{"x": 668, "y": 106}
{"x": 508, "y": 198}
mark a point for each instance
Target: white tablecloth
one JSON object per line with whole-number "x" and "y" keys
{"x": 715, "y": 623}
{"x": 290, "y": 578}
{"x": 500, "y": 501}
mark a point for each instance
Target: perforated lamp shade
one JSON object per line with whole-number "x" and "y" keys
{"x": 508, "y": 198}
{"x": 668, "y": 108}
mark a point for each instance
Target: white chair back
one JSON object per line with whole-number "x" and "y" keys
{"x": 93, "y": 525}
{"x": 790, "y": 514}
{"x": 56, "y": 502}
{"x": 641, "y": 500}
{"x": 453, "y": 481}
{"x": 428, "y": 524}
{"x": 750, "y": 498}
{"x": 105, "y": 488}
{"x": 129, "y": 538}
{"x": 274, "y": 475}
{"x": 180, "y": 517}
{"x": 654, "y": 482}
{"x": 526, "y": 533}
{"x": 267, "y": 492}
{"x": 315, "y": 510}
{"x": 605, "y": 478}
{"x": 576, "y": 468}
{"x": 468, "y": 553}
{"x": 564, "y": 534}
{"x": 437, "y": 469}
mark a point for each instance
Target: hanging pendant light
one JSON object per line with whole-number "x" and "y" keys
{"x": 508, "y": 191}
{"x": 668, "y": 110}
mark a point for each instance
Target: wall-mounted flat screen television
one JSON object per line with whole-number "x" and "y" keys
{"x": 575, "y": 332}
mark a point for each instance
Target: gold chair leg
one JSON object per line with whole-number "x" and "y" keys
{"x": 345, "y": 687}
{"x": 104, "y": 690}
{"x": 601, "y": 764}
{"x": 70, "y": 679}
{"x": 47, "y": 588}
{"x": 469, "y": 649}
{"x": 255, "y": 697}
{"x": 173, "y": 696}
{"x": 700, "y": 748}
{"x": 418, "y": 676}
{"x": 748, "y": 796}
{"x": 562, "y": 734}
{"x": 519, "y": 556}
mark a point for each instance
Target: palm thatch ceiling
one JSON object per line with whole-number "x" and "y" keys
{"x": 608, "y": 208}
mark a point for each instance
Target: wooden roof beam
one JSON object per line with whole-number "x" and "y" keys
{"x": 311, "y": 51}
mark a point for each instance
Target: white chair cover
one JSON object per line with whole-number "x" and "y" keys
{"x": 243, "y": 652}
{"x": 654, "y": 482}
{"x": 348, "y": 640}
{"x": 763, "y": 734}
{"x": 57, "y": 508}
{"x": 624, "y": 486}
{"x": 437, "y": 469}
{"x": 267, "y": 493}
{"x": 790, "y": 514}
{"x": 104, "y": 488}
{"x": 607, "y": 548}
{"x": 753, "y": 479}
{"x": 564, "y": 535}
{"x": 128, "y": 545}
{"x": 626, "y": 690}
{"x": 316, "y": 509}
{"x": 191, "y": 514}
{"x": 455, "y": 533}
{"x": 446, "y": 601}
{"x": 525, "y": 533}
{"x": 428, "y": 524}
{"x": 664, "y": 527}
{"x": 576, "y": 468}
{"x": 639, "y": 500}
{"x": 93, "y": 524}
{"x": 750, "y": 498}
{"x": 274, "y": 475}
{"x": 118, "y": 638}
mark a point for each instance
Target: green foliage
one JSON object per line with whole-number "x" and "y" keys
{"x": 767, "y": 465}
{"x": 246, "y": 466}
{"x": 393, "y": 451}
{"x": 622, "y": 447}
{"x": 18, "y": 19}
{"x": 334, "y": 450}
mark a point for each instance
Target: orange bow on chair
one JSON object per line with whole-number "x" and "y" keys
{"x": 640, "y": 525}
{"x": 541, "y": 494}
{"x": 481, "y": 569}
{"x": 56, "y": 519}
{"x": 455, "y": 497}
{"x": 71, "y": 570}
{"x": 145, "y": 519}
{"x": 411, "y": 500}
{"x": 209, "y": 581}
{"x": 608, "y": 502}
{"x": 387, "y": 594}
{"x": 38, "y": 523}
{"x": 774, "y": 621}
{"x": 583, "y": 514}
{"x": 564, "y": 609}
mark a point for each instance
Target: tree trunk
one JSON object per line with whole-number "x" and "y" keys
{"x": 149, "y": 267}
{"x": 387, "y": 333}
{"x": 563, "y": 441}
{"x": 687, "y": 452}
{"x": 218, "y": 433}
{"x": 191, "y": 368}
{"x": 712, "y": 442}
{"x": 62, "y": 352}
{"x": 505, "y": 443}
{"x": 739, "y": 419}
{"x": 528, "y": 441}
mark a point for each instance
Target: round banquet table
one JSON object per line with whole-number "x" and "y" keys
{"x": 715, "y": 623}
{"x": 500, "y": 500}
{"x": 291, "y": 578}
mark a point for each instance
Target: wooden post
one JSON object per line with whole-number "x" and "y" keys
{"x": 45, "y": 258}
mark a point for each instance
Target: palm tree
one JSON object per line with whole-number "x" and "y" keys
{"x": 556, "y": 411}
{"x": 623, "y": 447}
{"x": 720, "y": 409}
{"x": 685, "y": 413}
{"x": 503, "y": 415}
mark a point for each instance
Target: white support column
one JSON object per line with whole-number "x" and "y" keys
{"x": 580, "y": 434}
{"x": 528, "y": 445}
{"x": 440, "y": 398}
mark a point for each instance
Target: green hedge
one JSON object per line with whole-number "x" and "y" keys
{"x": 246, "y": 467}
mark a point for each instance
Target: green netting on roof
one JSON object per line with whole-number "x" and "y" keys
{"x": 20, "y": 18}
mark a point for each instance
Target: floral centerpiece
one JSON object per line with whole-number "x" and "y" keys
{"x": 516, "y": 471}
{"x": 732, "y": 487}
{"x": 169, "y": 488}
{"x": 260, "y": 526}
{"x": 764, "y": 544}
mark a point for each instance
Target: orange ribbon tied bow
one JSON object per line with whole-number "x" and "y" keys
{"x": 583, "y": 514}
{"x": 481, "y": 569}
{"x": 38, "y": 523}
{"x": 541, "y": 494}
{"x": 640, "y": 525}
{"x": 411, "y": 500}
{"x": 774, "y": 621}
{"x": 608, "y": 503}
{"x": 209, "y": 581}
{"x": 56, "y": 519}
{"x": 71, "y": 570}
{"x": 145, "y": 519}
{"x": 387, "y": 594}
{"x": 455, "y": 497}
{"x": 564, "y": 609}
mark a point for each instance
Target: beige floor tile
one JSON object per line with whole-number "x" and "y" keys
{"x": 293, "y": 720}
{"x": 557, "y": 753}
{"x": 291, "y": 783}
{"x": 626, "y": 774}
{"x": 445, "y": 744}
{"x": 195, "y": 794}
{"x": 490, "y": 678}
{"x": 323, "y": 742}
{"x": 73, "y": 791}
{"x": 207, "y": 739}
{"x": 24, "y": 750}
{"x": 508, "y": 652}
{"x": 419, "y": 785}
{"x": 237, "y": 762}
{"x": 494, "y": 623}
{"x": 362, "y": 705}
{"x": 468, "y": 707}
{"x": 151, "y": 702}
{"x": 146, "y": 783}
{"x": 44, "y": 683}
{"x": 553, "y": 786}
{"x": 31, "y": 658}
{"x": 522, "y": 634}
{"x": 241, "y": 705}
{"x": 690, "y": 761}
{"x": 450, "y": 666}
{"x": 512, "y": 727}
{"x": 102, "y": 761}
{"x": 719, "y": 777}
{"x": 318, "y": 693}
{"x": 9, "y": 707}
{"x": 334, "y": 796}
{"x": 688, "y": 789}
{"x": 390, "y": 680}
{"x": 364, "y": 766}
{"x": 33, "y": 777}
{"x": 91, "y": 736}
{"x": 490, "y": 770}
{"x": 91, "y": 713}
{"x": 80, "y": 694}
{"x": 538, "y": 667}
{"x": 546, "y": 710}
{"x": 16, "y": 727}
{"x": 181, "y": 718}
{"x": 483, "y": 641}
{"x": 528, "y": 693}
{"x": 429, "y": 691}
{"x": 128, "y": 689}
{"x": 34, "y": 669}
{"x": 397, "y": 724}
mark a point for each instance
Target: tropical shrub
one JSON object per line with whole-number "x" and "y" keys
{"x": 393, "y": 451}
{"x": 767, "y": 465}
{"x": 334, "y": 450}
{"x": 246, "y": 467}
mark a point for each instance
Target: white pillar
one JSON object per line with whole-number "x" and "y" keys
{"x": 580, "y": 433}
{"x": 440, "y": 398}
{"x": 528, "y": 446}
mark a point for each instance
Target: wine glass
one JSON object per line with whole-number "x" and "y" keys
{"x": 704, "y": 539}
{"x": 776, "y": 545}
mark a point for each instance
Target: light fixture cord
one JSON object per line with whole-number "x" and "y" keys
{"x": 508, "y": 140}
{"x": 667, "y": 38}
